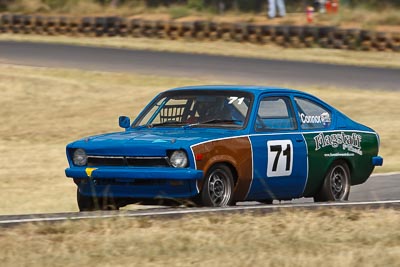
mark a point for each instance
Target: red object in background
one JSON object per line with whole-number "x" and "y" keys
{"x": 335, "y": 6}
{"x": 309, "y": 12}
{"x": 328, "y": 6}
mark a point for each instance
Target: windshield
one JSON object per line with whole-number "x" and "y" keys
{"x": 197, "y": 109}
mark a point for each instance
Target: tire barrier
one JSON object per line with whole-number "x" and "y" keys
{"x": 283, "y": 35}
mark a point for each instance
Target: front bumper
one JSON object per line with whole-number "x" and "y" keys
{"x": 136, "y": 182}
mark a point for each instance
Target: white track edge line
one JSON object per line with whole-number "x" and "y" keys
{"x": 385, "y": 174}
{"x": 203, "y": 210}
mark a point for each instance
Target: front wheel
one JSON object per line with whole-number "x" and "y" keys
{"x": 91, "y": 203}
{"x": 266, "y": 201}
{"x": 336, "y": 185}
{"x": 218, "y": 187}
{"x": 86, "y": 203}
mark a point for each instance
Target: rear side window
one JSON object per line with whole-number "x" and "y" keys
{"x": 275, "y": 113}
{"x": 312, "y": 115}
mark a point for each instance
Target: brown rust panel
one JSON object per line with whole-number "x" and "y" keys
{"x": 235, "y": 151}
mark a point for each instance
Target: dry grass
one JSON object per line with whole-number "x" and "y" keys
{"x": 366, "y": 18}
{"x": 360, "y": 16}
{"x": 41, "y": 110}
{"x": 293, "y": 238}
{"x": 359, "y": 58}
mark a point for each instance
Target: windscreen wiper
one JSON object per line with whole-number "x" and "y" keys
{"x": 215, "y": 121}
{"x": 166, "y": 123}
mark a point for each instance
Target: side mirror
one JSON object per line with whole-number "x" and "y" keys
{"x": 124, "y": 122}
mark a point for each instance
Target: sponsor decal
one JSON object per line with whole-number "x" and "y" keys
{"x": 324, "y": 118}
{"x": 350, "y": 142}
{"x": 339, "y": 155}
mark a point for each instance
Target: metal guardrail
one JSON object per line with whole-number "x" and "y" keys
{"x": 286, "y": 36}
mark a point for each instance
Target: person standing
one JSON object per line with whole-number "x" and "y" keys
{"x": 272, "y": 4}
{"x": 321, "y": 6}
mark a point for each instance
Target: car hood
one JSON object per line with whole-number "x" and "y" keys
{"x": 148, "y": 142}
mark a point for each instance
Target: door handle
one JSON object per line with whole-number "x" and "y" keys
{"x": 298, "y": 140}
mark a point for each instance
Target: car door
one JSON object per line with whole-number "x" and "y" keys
{"x": 279, "y": 151}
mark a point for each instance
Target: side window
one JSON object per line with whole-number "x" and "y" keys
{"x": 312, "y": 115}
{"x": 275, "y": 113}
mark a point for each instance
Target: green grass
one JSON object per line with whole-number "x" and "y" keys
{"x": 177, "y": 12}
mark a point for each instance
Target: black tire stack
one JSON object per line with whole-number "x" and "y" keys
{"x": 282, "y": 35}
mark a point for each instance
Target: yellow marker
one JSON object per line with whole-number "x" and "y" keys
{"x": 89, "y": 171}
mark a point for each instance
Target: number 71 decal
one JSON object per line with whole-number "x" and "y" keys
{"x": 280, "y": 158}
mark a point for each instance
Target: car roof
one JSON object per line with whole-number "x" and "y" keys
{"x": 256, "y": 90}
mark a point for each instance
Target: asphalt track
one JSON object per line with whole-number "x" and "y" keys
{"x": 379, "y": 187}
{"x": 231, "y": 69}
{"x": 244, "y": 70}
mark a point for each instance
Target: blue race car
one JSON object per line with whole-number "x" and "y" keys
{"x": 218, "y": 145}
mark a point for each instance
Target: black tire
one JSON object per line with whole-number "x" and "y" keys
{"x": 218, "y": 186}
{"x": 86, "y": 203}
{"x": 336, "y": 186}
{"x": 266, "y": 201}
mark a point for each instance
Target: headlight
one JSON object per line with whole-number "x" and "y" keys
{"x": 178, "y": 159}
{"x": 80, "y": 157}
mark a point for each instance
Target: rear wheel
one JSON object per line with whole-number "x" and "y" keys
{"x": 218, "y": 187}
{"x": 336, "y": 186}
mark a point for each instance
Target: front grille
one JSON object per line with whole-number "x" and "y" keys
{"x": 106, "y": 161}
{"x": 128, "y": 161}
{"x": 129, "y": 182}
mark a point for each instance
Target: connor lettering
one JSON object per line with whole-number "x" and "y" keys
{"x": 310, "y": 119}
